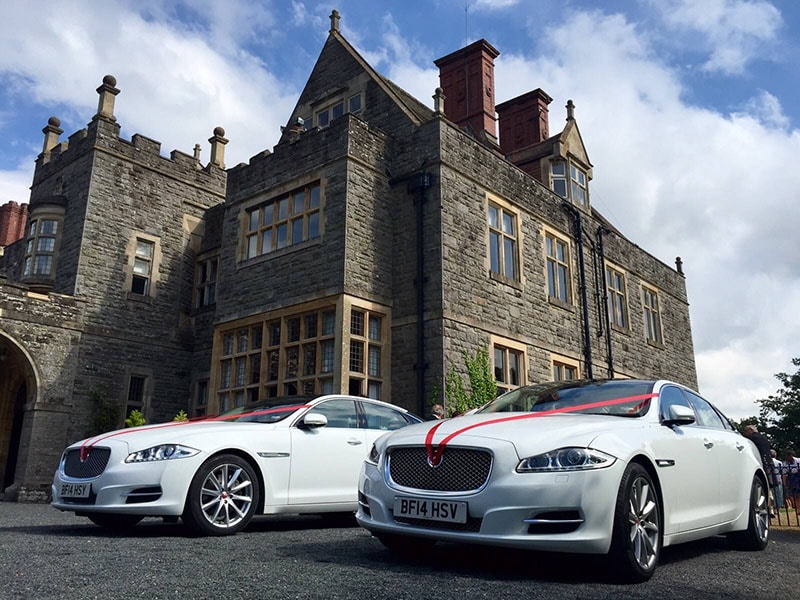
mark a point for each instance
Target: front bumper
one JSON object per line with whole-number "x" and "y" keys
{"x": 563, "y": 512}
{"x": 150, "y": 489}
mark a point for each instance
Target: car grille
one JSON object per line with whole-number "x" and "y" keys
{"x": 461, "y": 469}
{"x": 94, "y": 464}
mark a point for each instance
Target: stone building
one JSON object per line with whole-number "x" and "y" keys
{"x": 377, "y": 242}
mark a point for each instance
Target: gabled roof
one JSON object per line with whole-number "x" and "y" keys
{"x": 339, "y": 62}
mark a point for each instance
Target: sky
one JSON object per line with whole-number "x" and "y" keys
{"x": 688, "y": 110}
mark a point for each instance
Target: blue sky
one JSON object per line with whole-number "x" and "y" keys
{"x": 688, "y": 109}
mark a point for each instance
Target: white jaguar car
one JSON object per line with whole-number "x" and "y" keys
{"x": 289, "y": 455}
{"x": 616, "y": 467}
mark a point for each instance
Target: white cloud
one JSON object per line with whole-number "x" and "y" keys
{"x": 733, "y": 32}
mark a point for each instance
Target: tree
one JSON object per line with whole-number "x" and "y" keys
{"x": 781, "y": 411}
{"x": 482, "y": 386}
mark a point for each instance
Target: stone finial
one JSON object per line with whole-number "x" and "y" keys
{"x": 107, "y": 91}
{"x": 51, "y": 133}
{"x": 334, "y": 21}
{"x": 438, "y": 101}
{"x": 679, "y": 264}
{"x": 197, "y": 152}
{"x": 570, "y": 110}
{"x": 218, "y": 142}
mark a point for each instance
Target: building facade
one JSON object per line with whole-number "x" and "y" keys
{"x": 374, "y": 245}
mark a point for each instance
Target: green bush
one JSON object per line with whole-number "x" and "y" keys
{"x": 105, "y": 414}
{"x": 181, "y": 416}
{"x": 482, "y": 386}
{"x": 135, "y": 419}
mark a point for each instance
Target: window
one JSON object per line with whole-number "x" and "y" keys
{"x": 366, "y": 353}
{"x": 200, "y": 399}
{"x": 509, "y": 368}
{"x": 617, "y": 297}
{"x": 575, "y": 187}
{"x": 40, "y": 248}
{"x": 333, "y": 111}
{"x": 564, "y": 372}
{"x": 206, "y": 283}
{"x": 142, "y": 267}
{"x": 136, "y": 399}
{"x": 652, "y": 315}
{"x": 558, "y": 176}
{"x": 503, "y": 242}
{"x": 340, "y": 413}
{"x": 284, "y": 221}
{"x": 558, "y": 274}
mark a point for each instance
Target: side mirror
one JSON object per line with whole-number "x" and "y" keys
{"x": 680, "y": 415}
{"x": 313, "y": 420}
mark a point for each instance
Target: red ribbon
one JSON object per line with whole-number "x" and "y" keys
{"x": 435, "y": 454}
{"x": 86, "y": 447}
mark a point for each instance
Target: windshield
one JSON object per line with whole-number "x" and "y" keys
{"x": 622, "y": 398}
{"x": 271, "y": 410}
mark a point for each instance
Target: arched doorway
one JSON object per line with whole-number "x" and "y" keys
{"x": 17, "y": 381}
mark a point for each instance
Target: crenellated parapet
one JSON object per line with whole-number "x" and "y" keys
{"x": 102, "y": 134}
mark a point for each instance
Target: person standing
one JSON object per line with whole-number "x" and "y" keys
{"x": 778, "y": 480}
{"x": 762, "y": 445}
{"x": 792, "y": 470}
{"x": 437, "y": 412}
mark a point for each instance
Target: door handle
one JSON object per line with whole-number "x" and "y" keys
{"x": 354, "y": 442}
{"x": 739, "y": 446}
{"x": 708, "y": 443}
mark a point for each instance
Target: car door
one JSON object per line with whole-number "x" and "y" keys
{"x": 688, "y": 469}
{"x": 728, "y": 448}
{"x": 326, "y": 461}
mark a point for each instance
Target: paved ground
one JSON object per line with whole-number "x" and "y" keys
{"x": 45, "y": 554}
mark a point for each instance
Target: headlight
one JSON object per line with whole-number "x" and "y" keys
{"x": 374, "y": 456}
{"x": 162, "y": 452}
{"x": 566, "y": 459}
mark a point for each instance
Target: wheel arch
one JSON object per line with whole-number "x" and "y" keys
{"x": 648, "y": 466}
{"x": 253, "y": 464}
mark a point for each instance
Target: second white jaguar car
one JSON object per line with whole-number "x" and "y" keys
{"x": 616, "y": 467}
{"x": 289, "y": 455}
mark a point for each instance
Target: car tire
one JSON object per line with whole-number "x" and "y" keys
{"x": 756, "y": 536}
{"x": 223, "y": 496}
{"x": 637, "y": 534}
{"x": 115, "y": 523}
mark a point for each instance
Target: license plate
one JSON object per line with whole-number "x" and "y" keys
{"x": 431, "y": 510}
{"x": 75, "y": 490}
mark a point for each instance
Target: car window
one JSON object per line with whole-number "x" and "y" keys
{"x": 672, "y": 396}
{"x": 706, "y": 415}
{"x": 382, "y": 417}
{"x": 340, "y": 413}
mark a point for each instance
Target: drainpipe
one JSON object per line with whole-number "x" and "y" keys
{"x": 587, "y": 340}
{"x": 600, "y": 231}
{"x": 417, "y": 185}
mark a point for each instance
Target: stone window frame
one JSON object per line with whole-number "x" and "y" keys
{"x": 277, "y": 364}
{"x": 561, "y": 365}
{"x": 651, "y": 312}
{"x": 35, "y": 236}
{"x": 506, "y": 348}
{"x": 570, "y": 181}
{"x": 618, "y": 305}
{"x": 263, "y": 221}
{"x": 515, "y": 237}
{"x": 140, "y": 383}
{"x": 553, "y": 266}
{"x": 337, "y": 107}
{"x": 205, "y": 282}
{"x": 154, "y": 263}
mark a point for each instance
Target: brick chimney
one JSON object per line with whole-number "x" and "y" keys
{"x": 13, "y": 218}
{"x": 467, "y": 80}
{"x": 523, "y": 121}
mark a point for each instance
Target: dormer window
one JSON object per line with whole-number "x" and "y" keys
{"x": 572, "y": 187}
{"x": 335, "y": 110}
{"x": 578, "y": 185}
